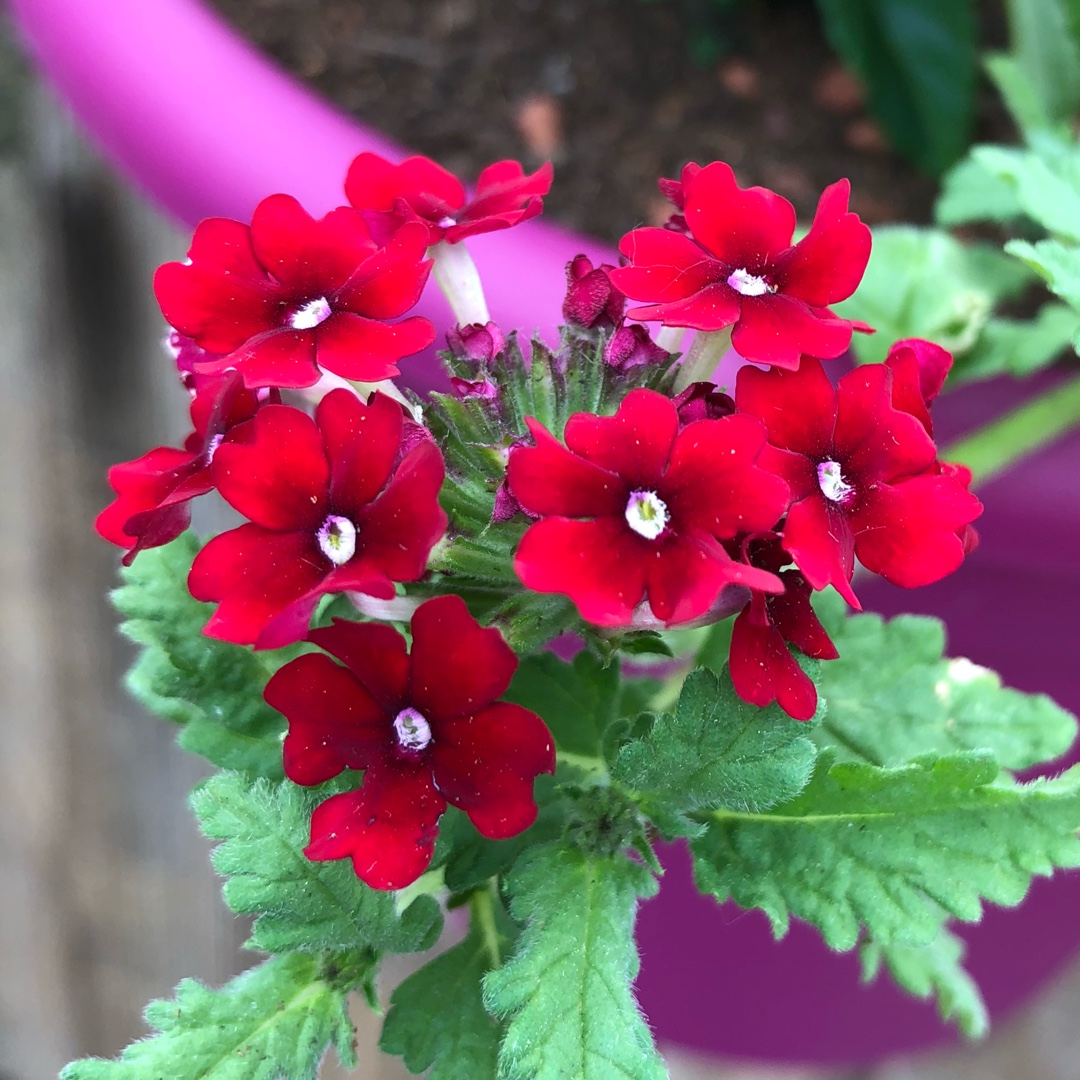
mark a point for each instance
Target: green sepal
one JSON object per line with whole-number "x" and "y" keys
{"x": 274, "y": 1022}
{"x": 893, "y": 696}
{"x": 214, "y": 689}
{"x": 565, "y": 992}
{"x": 299, "y": 904}
{"x": 891, "y": 849}
{"x": 715, "y": 750}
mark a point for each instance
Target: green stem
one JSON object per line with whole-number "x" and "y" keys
{"x": 704, "y": 355}
{"x": 1035, "y": 424}
{"x": 482, "y": 909}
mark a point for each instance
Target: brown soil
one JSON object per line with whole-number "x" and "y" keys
{"x": 605, "y": 87}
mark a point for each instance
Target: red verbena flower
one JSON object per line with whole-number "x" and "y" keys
{"x": 479, "y": 343}
{"x": 632, "y": 346}
{"x": 389, "y": 195}
{"x": 291, "y": 294}
{"x": 339, "y": 503}
{"x": 737, "y": 265}
{"x": 591, "y": 302}
{"x": 864, "y": 476}
{"x": 426, "y": 726}
{"x": 153, "y": 492}
{"x": 633, "y": 508}
{"x": 763, "y": 670}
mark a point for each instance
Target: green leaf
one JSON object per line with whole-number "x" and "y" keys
{"x": 918, "y": 61}
{"x": 576, "y": 700}
{"x": 972, "y": 192}
{"x": 1047, "y": 188}
{"x": 891, "y": 849}
{"x": 300, "y": 904}
{"x": 1056, "y": 262}
{"x": 1019, "y": 347}
{"x": 892, "y": 696}
{"x": 566, "y": 990}
{"x": 932, "y": 970}
{"x": 1044, "y": 49}
{"x": 715, "y": 750}
{"x": 437, "y": 1017}
{"x": 211, "y": 687}
{"x": 274, "y": 1022}
{"x": 925, "y": 283}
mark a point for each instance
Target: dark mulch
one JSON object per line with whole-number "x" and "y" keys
{"x": 470, "y": 81}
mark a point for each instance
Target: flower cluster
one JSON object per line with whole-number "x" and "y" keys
{"x": 665, "y": 502}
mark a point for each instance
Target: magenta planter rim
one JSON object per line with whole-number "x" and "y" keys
{"x": 206, "y": 126}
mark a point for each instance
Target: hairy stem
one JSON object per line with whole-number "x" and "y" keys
{"x": 705, "y": 353}
{"x": 457, "y": 276}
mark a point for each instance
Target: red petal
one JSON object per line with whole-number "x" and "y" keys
{"x": 373, "y": 183}
{"x": 311, "y": 258}
{"x": 218, "y": 309}
{"x": 792, "y": 614}
{"x": 665, "y": 266}
{"x": 458, "y": 666}
{"x": 874, "y": 441}
{"x": 713, "y": 308}
{"x": 798, "y": 408}
{"x": 255, "y": 575}
{"x": 687, "y": 575}
{"x": 390, "y": 282}
{"x": 486, "y": 764}
{"x": 396, "y": 532}
{"x": 778, "y": 329}
{"x": 911, "y": 533}
{"x": 366, "y": 350}
{"x": 334, "y": 723}
{"x": 827, "y": 265}
{"x": 763, "y": 669}
{"x": 224, "y": 244}
{"x": 388, "y": 827}
{"x": 140, "y": 485}
{"x": 635, "y": 443}
{"x": 743, "y": 227}
{"x": 549, "y": 479}
{"x": 601, "y": 565}
{"x": 282, "y": 358}
{"x": 819, "y": 538}
{"x": 362, "y": 443}
{"x": 279, "y": 479}
{"x": 374, "y": 653}
{"x": 504, "y": 188}
{"x": 712, "y": 483}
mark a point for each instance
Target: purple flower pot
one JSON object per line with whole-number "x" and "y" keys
{"x": 206, "y": 127}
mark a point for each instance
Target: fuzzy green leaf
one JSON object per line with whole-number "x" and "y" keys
{"x": 274, "y": 1022}
{"x": 211, "y": 687}
{"x": 566, "y": 990}
{"x": 577, "y": 700}
{"x": 972, "y": 192}
{"x": 437, "y": 1017}
{"x": 1047, "y": 187}
{"x": 925, "y": 283}
{"x": 1059, "y": 265}
{"x": 890, "y": 849}
{"x": 934, "y": 970}
{"x": 300, "y": 904}
{"x": 715, "y": 750}
{"x": 892, "y": 696}
{"x": 1019, "y": 347}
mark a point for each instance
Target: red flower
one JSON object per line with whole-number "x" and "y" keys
{"x": 634, "y": 508}
{"x": 632, "y": 346}
{"x": 863, "y": 474}
{"x": 591, "y": 302}
{"x": 738, "y": 266}
{"x": 153, "y": 492}
{"x": 389, "y": 195}
{"x": 703, "y": 401}
{"x": 478, "y": 343}
{"x": 763, "y": 669}
{"x": 291, "y": 294}
{"x": 426, "y": 727}
{"x": 335, "y": 504}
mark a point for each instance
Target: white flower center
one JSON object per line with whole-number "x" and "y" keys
{"x": 412, "y": 730}
{"x": 832, "y": 483}
{"x": 647, "y": 514}
{"x": 311, "y": 314}
{"x": 211, "y": 447}
{"x": 337, "y": 539}
{"x": 447, "y": 222}
{"x": 742, "y": 281}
